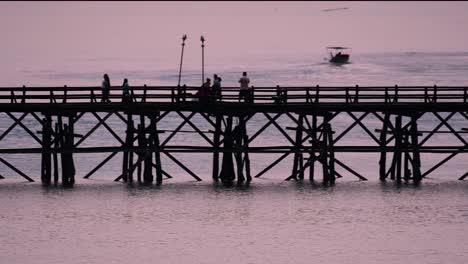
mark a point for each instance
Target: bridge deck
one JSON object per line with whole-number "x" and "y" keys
{"x": 310, "y": 110}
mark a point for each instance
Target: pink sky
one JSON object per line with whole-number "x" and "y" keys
{"x": 48, "y": 30}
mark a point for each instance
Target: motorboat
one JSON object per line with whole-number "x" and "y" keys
{"x": 338, "y": 55}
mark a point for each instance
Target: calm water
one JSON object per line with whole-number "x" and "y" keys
{"x": 271, "y": 221}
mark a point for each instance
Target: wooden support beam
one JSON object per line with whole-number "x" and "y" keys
{"x": 196, "y": 129}
{"x": 227, "y": 174}
{"x": 56, "y": 143}
{"x": 392, "y": 137}
{"x": 364, "y": 127}
{"x": 274, "y": 163}
{"x": 324, "y": 154}
{"x": 270, "y": 121}
{"x": 436, "y": 129}
{"x": 416, "y": 156}
{"x": 406, "y": 158}
{"x": 216, "y": 145}
{"x": 362, "y": 178}
{"x": 383, "y": 147}
{"x": 237, "y": 135}
{"x": 350, "y": 127}
{"x": 46, "y": 155}
{"x": 177, "y": 129}
{"x": 182, "y": 166}
{"x": 126, "y": 154}
{"x": 298, "y": 158}
{"x": 398, "y": 146}
{"x": 25, "y": 128}
{"x": 16, "y": 122}
{"x": 450, "y": 128}
{"x": 157, "y": 154}
{"x": 331, "y": 154}
{"x": 280, "y": 129}
{"x": 22, "y": 174}
{"x": 442, "y": 162}
{"x": 207, "y": 118}
{"x": 100, "y": 165}
{"x": 109, "y": 128}
{"x": 132, "y": 168}
{"x": 91, "y": 131}
{"x": 313, "y": 136}
{"x": 38, "y": 119}
{"x": 463, "y": 177}
{"x": 68, "y": 166}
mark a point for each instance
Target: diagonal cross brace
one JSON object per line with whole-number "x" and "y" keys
{"x": 25, "y": 128}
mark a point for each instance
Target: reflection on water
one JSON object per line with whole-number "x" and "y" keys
{"x": 270, "y": 221}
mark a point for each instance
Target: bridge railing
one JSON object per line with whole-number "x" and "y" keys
{"x": 260, "y": 95}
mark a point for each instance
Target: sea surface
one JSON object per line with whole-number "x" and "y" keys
{"x": 269, "y": 221}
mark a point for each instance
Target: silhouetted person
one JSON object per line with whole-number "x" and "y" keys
{"x": 216, "y": 88}
{"x": 105, "y": 89}
{"x": 204, "y": 91}
{"x": 244, "y": 86}
{"x": 126, "y": 96}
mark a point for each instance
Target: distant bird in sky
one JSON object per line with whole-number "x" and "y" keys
{"x": 334, "y": 9}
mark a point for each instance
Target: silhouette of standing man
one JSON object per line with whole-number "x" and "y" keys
{"x": 244, "y": 86}
{"x": 105, "y": 89}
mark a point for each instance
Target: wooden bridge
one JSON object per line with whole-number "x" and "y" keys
{"x": 311, "y": 110}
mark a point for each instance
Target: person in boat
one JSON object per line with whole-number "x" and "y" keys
{"x": 244, "y": 87}
{"x": 338, "y": 54}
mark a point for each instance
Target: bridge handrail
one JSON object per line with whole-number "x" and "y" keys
{"x": 292, "y": 94}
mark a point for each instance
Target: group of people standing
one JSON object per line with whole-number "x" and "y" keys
{"x": 205, "y": 93}
{"x": 208, "y": 91}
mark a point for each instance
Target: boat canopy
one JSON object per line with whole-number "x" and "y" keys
{"x": 338, "y": 48}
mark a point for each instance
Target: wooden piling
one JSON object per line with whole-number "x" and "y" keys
{"x": 416, "y": 156}
{"x": 245, "y": 144}
{"x": 331, "y": 154}
{"x": 148, "y": 156}
{"x": 237, "y": 140}
{"x": 216, "y": 140}
{"x": 312, "y": 154}
{"x": 126, "y": 164}
{"x": 56, "y": 150}
{"x": 297, "y": 170}
{"x": 46, "y": 155}
{"x": 140, "y": 152}
{"x": 406, "y": 158}
{"x": 398, "y": 146}
{"x": 157, "y": 154}
{"x": 130, "y": 140}
{"x": 227, "y": 174}
{"x": 383, "y": 148}
{"x": 68, "y": 167}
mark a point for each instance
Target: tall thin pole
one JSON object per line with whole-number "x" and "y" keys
{"x": 203, "y": 58}
{"x": 184, "y": 37}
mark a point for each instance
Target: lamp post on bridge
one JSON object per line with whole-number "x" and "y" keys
{"x": 203, "y": 58}
{"x": 184, "y": 37}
